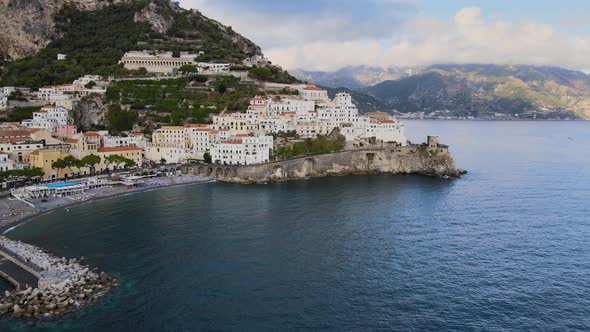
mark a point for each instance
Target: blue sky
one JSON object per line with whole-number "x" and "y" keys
{"x": 329, "y": 34}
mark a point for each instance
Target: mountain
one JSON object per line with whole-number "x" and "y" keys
{"x": 364, "y": 102}
{"x": 474, "y": 89}
{"x": 96, "y": 33}
{"x": 356, "y": 77}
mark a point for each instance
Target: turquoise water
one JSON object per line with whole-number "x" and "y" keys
{"x": 505, "y": 248}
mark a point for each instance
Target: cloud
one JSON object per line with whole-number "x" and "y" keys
{"x": 391, "y": 33}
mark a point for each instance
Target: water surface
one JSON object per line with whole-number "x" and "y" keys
{"x": 507, "y": 247}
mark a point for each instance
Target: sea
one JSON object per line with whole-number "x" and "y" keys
{"x": 505, "y": 248}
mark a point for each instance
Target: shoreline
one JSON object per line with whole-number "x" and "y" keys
{"x": 9, "y": 225}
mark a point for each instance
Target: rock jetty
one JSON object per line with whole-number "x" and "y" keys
{"x": 64, "y": 285}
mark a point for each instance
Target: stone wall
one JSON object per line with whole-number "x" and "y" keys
{"x": 415, "y": 159}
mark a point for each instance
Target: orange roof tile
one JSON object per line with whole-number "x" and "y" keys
{"x": 119, "y": 149}
{"x": 232, "y": 142}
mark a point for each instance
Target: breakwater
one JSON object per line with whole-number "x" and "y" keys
{"x": 431, "y": 159}
{"x": 61, "y": 285}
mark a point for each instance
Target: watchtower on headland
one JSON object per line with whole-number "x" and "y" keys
{"x": 433, "y": 142}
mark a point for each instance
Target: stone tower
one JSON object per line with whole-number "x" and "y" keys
{"x": 433, "y": 142}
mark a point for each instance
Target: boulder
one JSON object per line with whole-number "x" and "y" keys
{"x": 16, "y": 309}
{"x": 5, "y": 307}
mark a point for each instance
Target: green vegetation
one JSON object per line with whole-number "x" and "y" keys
{"x": 177, "y": 101}
{"x": 91, "y": 161}
{"x": 322, "y": 144}
{"x": 272, "y": 74}
{"x": 121, "y": 120}
{"x": 22, "y": 113}
{"x": 118, "y": 160}
{"x": 27, "y": 173}
{"x": 207, "y": 158}
{"x": 94, "y": 42}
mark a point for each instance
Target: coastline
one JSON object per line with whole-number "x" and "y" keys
{"x": 28, "y": 213}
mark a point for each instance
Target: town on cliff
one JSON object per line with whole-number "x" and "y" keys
{"x": 164, "y": 118}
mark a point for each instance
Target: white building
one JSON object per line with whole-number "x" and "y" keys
{"x": 207, "y": 68}
{"x": 7, "y": 90}
{"x": 5, "y": 163}
{"x": 243, "y": 149}
{"x": 48, "y": 118}
{"x": 157, "y": 62}
{"x": 312, "y": 92}
{"x": 19, "y": 151}
{"x": 135, "y": 139}
{"x": 84, "y": 80}
{"x": 3, "y": 102}
{"x": 61, "y": 57}
{"x": 256, "y": 60}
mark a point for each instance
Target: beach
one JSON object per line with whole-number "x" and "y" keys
{"x": 14, "y": 211}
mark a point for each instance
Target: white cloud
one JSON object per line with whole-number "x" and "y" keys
{"x": 329, "y": 42}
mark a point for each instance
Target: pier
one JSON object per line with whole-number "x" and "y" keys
{"x": 21, "y": 273}
{"x": 45, "y": 285}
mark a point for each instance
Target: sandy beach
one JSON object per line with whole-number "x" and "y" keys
{"x": 14, "y": 212}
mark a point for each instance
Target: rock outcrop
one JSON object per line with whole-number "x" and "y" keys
{"x": 28, "y": 26}
{"x": 415, "y": 159}
{"x": 90, "y": 112}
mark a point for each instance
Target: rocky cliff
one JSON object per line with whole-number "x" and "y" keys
{"x": 90, "y": 112}
{"x": 29, "y": 26}
{"x": 416, "y": 159}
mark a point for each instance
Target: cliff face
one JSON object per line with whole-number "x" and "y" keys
{"x": 90, "y": 112}
{"x": 27, "y": 26}
{"x": 419, "y": 159}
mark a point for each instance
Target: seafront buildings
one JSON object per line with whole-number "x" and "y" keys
{"x": 233, "y": 138}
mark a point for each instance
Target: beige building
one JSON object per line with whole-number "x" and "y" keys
{"x": 43, "y": 159}
{"x": 156, "y": 62}
{"x": 130, "y": 152}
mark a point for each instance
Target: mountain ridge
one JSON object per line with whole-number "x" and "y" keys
{"x": 485, "y": 88}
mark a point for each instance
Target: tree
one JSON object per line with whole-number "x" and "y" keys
{"x": 91, "y": 160}
{"x": 118, "y": 160}
{"x": 90, "y": 85}
{"x": 207, "y": 158}
{"x": 221, "y": 88}
{"x": 163, "y": 161}
{"x": 188, "y": 69}
{"x": 121, "y": 120}
{"x": 59, "y": 164}
{"x": 72, "y": 161}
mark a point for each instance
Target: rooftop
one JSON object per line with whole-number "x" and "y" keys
{"x": 119, "y": 149}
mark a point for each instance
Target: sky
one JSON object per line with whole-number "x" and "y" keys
{"x": 327, "y": 35}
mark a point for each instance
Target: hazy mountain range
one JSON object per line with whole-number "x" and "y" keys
{"x": 470, "y": 88}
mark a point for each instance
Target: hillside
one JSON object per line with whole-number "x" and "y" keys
{"x": 476, "y": 89}
{"x": 96, "y": 33}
